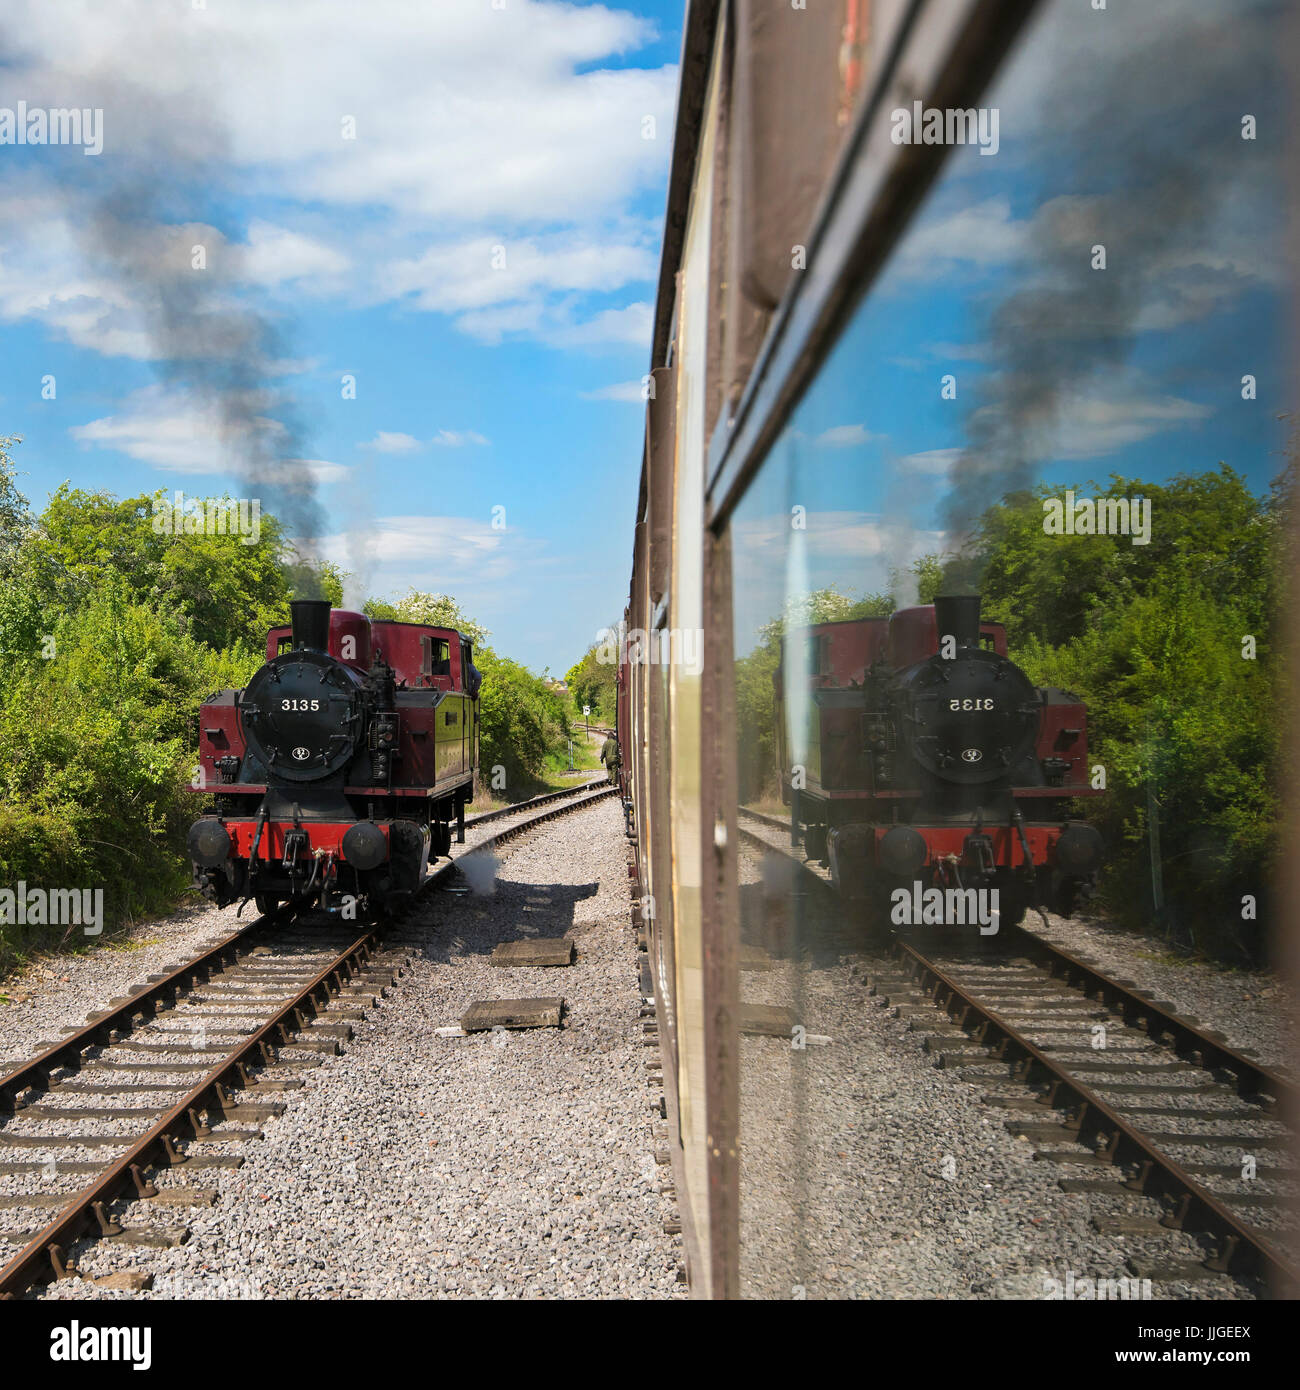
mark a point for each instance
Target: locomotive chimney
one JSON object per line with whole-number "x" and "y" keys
{"x": 958, "y": 615}
{"x": 311, "y": 623}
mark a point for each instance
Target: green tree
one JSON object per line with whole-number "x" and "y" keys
{"x": 1153, "y": 639}
{"x": 521, "y": 723}
{"x": 227, "y": 593}
{"x": 97, "y": 741}
{"x": 593, "y": 681}
{"x": 437, "y": 610}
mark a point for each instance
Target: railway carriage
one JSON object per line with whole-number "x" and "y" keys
{"x": 829, "y": 296}
{"x": 338, "y": 773}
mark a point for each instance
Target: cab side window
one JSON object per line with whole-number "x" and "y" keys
{"x": 435, "y": 657}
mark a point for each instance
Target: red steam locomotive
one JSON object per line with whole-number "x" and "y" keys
{"x": 338, "y": 772}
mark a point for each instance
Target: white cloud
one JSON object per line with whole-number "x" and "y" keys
{"x": 979, "y": 235}
{"x": 506, "y": 288}
{"x": 48, "y": 273}
{"x": 474, "y": 128}
{"x": 276, "y": 256}
{"x": 620, "y": 391}
{"x": 302, "y": 473}
{"x": 844, "y": 437}
{"x": 180, "y": 434}
{"x": 852, "y": 551}
{"x": 457, "y": 439}
{"x": 937, "y": 462}
{"x": 485, "y": 271}
{"x": 392, "y": 442}
{"x": 435, "y": 553}
{"x": 961, "y": 352}
{"x": 630, "y": 326}
{"x": 1110, "y": 413}
{"x": 832, "y": 537}
{"x": 460, "y": 111}
{"x": 1093, "y": 425}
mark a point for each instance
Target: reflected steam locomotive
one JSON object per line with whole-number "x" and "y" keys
{"x": 916, "y": 751}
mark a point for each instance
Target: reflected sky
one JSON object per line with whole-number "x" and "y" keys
{"x": 1116, "y": 129}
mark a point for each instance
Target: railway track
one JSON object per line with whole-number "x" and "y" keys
{"x": 172, "y": 1079}
{"x": 546, "y": 799}
{"x": 1127, "y": 1095}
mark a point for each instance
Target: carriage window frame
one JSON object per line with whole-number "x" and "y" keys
{"x": 952, "y": 52}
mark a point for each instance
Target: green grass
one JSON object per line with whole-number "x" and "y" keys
{"x": 586, "y": 758}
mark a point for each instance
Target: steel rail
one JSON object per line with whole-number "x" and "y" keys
{"x": 35, "y": 1074}
{"x": 1242, "y": 1248}
{"x": 1187, "y": 1040}
{"x": 521, "y": 806}
{"x": 46, "y": 1254}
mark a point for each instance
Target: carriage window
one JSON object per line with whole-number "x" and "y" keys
{"x": 977, "y": 401}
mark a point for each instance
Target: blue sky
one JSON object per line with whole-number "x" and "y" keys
{"x": 481, "y": 257}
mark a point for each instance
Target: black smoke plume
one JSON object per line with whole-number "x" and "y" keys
{"x": 137, "y": 212}
{"x": 1140, "y": 151}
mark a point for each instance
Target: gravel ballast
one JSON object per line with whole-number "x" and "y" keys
{"x": 508, "y": 1164}
{"x": 521, "y": 1164}
{"x": 868, "y": 1173}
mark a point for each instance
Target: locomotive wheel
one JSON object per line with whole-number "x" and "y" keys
{"x": 1012, "y": 907}
{"x": 266, "y": 902}
{"x": 814, "y": 841}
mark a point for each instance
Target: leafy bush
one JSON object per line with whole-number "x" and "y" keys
{"x": 521, "y": 723}
{"x": 594, "y": 683}
{"x": 96, "y": 753}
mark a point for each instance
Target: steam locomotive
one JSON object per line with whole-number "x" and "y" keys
{"x": 916, "y": 752}
{"x": 338, "y": 772}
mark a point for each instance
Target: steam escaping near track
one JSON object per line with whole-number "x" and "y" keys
{"x": 174, "y": 289}
{"x": 1144, "y": 163}
{"x": 480, "y": 872}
